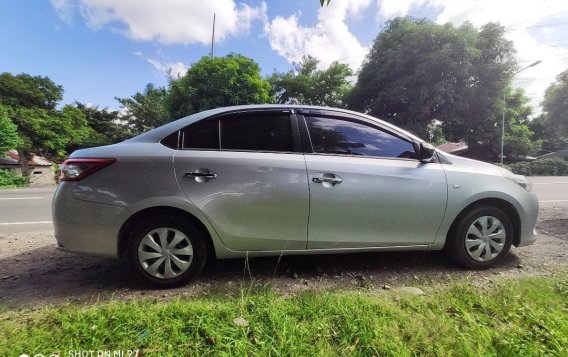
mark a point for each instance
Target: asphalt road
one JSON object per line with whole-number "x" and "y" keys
{"x": 29, "y": 209}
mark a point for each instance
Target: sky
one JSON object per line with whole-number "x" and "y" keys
{"x": 102, "y": 49}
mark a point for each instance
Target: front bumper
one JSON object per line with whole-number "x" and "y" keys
{"x": 528, "y": 233}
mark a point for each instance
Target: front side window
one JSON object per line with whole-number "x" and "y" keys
{"x": 256, "y": 132}
{"x": 337, "y": 136}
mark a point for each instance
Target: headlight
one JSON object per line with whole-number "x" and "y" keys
{"x": 521, "y": 181}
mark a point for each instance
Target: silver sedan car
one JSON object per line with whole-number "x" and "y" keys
{"x": 266, "y": 180}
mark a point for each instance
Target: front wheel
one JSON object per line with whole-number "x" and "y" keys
{"x": 167, "y": 251}
{"x": 482, "y": 238}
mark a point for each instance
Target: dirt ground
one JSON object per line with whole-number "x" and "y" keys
{"x": 33, "y": 273}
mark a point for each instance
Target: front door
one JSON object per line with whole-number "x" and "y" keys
{"x": 367, "y": 189}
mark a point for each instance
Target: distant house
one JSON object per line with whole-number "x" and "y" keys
{"x": 41, "y": 170}
{"x": 459, "y": 149}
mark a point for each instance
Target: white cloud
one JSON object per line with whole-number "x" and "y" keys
{"x": 173, "y": 69}
{"x": 64, "y": 9}
{"x": 329, "y": 40}
{"x": 522, "y": 19}
{"x": 167, "y": 21}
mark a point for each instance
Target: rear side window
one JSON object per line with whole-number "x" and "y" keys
{"x": 339, "y": 136}
{"x": 201, "y": 135}
{"x": 256, "y": 132}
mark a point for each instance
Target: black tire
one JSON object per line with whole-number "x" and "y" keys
{"x": 194, "y": 237}
{"x": 456, "y": 244}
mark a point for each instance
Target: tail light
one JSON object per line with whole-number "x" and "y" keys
{"x": 78, "y": 169}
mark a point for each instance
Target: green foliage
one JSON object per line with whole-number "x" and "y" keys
{"x": 24, "y": 90}
{"x": 556, "y": 104}
{"x": 108, "y": 126}
{"x": 550, "y": 167}
{"x": 50, "y": 133}
{"x": 42, "y": 129}
{"x": 9, "y": 138}
{"x": 522, "y": 317}
{"x": 550, "y": 138}
{"x": 10, "y": 179}
{"x": 215, "y": 82}
{"x": 146, "y": 110}
{"x": 551, "y": 127}
{"x": 418, "y": 71}
{"x": 308, "y": 85}
{"x": 519, "y": 141}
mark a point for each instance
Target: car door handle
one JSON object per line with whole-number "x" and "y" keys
{"x": 201, "y": 175}
{"x": 328, "y": 179}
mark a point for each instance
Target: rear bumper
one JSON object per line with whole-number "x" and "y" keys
{"x": 85, "y": 227}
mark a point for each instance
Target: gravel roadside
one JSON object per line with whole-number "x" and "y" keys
{"x": 33, "y": 273}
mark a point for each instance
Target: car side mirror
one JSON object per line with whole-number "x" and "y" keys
{"x": 426, "y": 152}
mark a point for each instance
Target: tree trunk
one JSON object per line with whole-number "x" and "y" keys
{"x": 25, "y": 156}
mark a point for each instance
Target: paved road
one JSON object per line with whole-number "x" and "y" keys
{"x": 29, "y": 210}
{"x": 26, "y": 210}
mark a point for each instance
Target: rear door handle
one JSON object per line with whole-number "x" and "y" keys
{"x": 201, "y": 175}
{"x": 328, "y": 179}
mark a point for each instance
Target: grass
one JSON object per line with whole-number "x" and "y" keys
{"x": 523, "y": 317}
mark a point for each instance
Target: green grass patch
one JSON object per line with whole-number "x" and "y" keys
{"x": 525, "y": 317}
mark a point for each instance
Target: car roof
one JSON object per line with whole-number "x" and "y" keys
{"x": 157, "y": 134}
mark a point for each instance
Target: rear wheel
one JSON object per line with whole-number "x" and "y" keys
{"x": 482, "y": 238}
{"x": 167, "y": 251}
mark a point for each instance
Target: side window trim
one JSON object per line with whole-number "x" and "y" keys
{"x": 310, "y": 149}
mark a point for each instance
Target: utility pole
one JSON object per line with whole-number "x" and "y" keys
{"x": 213, "y": 36}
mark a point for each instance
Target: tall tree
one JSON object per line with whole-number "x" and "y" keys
{"x": 555, "y": 104}
{"x": 519, "y": 141}
{"x": 42, "y": 128}
{"x": 146, "y": 110}
{"x": 216, "y": 82}
{"x": 109, "y": 126}
{"x": 418, "y": 71}
{"x": 24, "y": 90}
{"x": 9, "y": 138}
{"x": 308, "y": 85}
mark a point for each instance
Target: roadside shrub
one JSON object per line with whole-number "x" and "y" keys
{"x": 9, "y": 178}
{"x": 552, "y": 167}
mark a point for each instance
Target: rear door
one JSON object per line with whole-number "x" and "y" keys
{"x": 367, "y": 188}
{"x": 246, "y": 173}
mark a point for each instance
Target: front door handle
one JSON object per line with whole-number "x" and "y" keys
{"x": 328, "y": 179}
{"x": 201, "y": 175}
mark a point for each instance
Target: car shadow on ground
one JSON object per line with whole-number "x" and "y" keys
{"x": 48, "y": 276}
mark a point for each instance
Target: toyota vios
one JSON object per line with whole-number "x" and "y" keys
{"x": 276, "y": 179}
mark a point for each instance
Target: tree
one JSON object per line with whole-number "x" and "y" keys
{"x": 418, "y": 72}
{"x": 519, "y": 141}
{"x": 552, "y": 126}
{"x": 146, "y": 110}
{"x": 31, "y": 103}
{"x": 9, "y": 138}
{"x": 308, "y": 85}
{"x": 215, "y": 82}
{"x": 109, "y": 126}
{"x": 24, "y": 90}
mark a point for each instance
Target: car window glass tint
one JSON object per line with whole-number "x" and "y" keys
{"x": 201, "y": 135}
{"x": 258, "y": 132}
{"x": 336, "y": 136}
{"x": 171, "y": 140}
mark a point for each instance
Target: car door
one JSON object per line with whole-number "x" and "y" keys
{"x": 246, "y": 173}
{"x": 367, "y": 189}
